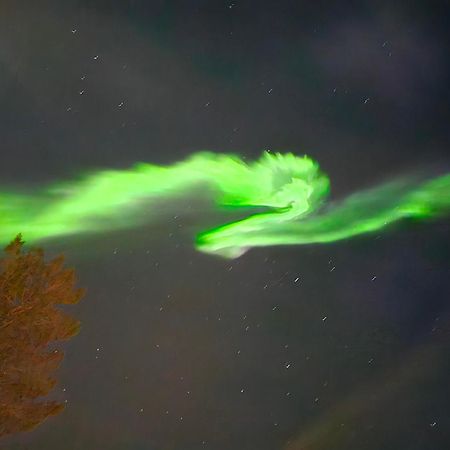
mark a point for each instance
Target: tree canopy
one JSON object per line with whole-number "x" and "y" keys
{"x": 30, "y": 291}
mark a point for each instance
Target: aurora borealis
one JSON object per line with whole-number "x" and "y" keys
{"x": 292, "y": 188}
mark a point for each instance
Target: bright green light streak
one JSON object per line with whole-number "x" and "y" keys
{"x": 291, "y": 188}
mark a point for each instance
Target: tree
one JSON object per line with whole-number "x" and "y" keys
{"x": 30, "y": 290}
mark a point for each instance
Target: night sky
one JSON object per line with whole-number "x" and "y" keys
{"x": 340, "y": 346}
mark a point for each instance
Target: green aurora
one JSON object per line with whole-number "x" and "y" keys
{"x": 291, "y": 189}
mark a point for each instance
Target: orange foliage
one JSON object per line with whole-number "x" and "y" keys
{"x": 30, "y": 290}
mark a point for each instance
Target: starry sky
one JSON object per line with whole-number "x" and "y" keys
{"x": 341, "y": 346}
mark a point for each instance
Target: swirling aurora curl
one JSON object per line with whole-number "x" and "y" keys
{"x": 291, "y": 189}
